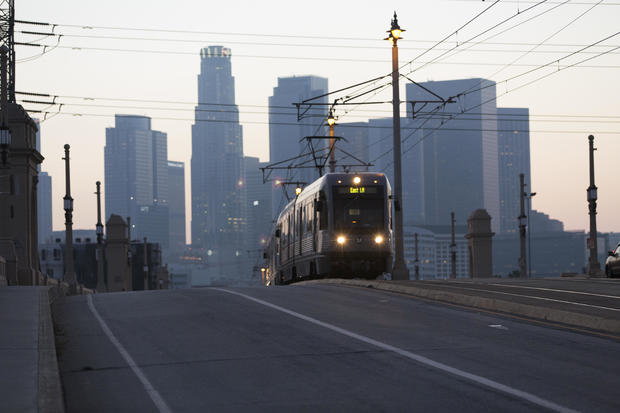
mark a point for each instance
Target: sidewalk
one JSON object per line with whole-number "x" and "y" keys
{"x": 29, "y": 379}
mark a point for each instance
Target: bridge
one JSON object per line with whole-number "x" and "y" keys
{"x": 447, "y": 345}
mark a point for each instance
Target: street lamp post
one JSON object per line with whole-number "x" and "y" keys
{"x": 529, "y": 234}
{"x": 452, "y": 248}
{"x": 594, "y": 267}
{"x": 522, "y": 227}
{"x": 99, "y": 226}
{"x": 400, "y": 270}
{"x": 331, "y": 121}
{"x": 68, "y": 207}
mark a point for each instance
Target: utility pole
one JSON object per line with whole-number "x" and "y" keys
{"x": 7, "y": 39}
{"x": 522, "y": 225}
{"x": 146, "y": 266}
{"x": 594, "y": 267}
{"x": 68, "y": 206}
{"x": 417, "y": 260}
{"x": 129, "y": 229}
{"x": 100, "y": 258}
{"x": 400, "y": 271}
{"x": 452, "y": 249}
{"x": 5, "y": 133}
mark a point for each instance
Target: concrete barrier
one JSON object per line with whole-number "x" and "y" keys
{"x": 50, "y": 388}
{"x": 545, "y": 313}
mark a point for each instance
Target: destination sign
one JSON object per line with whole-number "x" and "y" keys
{"x": 356, "y": 190}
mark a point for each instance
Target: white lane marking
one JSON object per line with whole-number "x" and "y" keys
{"x": 498, "y": 326}
{"x": 536, "y": 298}
{"x": 150, "y": 390}
{"x": 559, "y": 291}
{"x": 416, "y": 357}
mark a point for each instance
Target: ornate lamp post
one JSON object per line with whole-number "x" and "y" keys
{"x": 400, "y": 270}
{"x": 68, "y": 206}
{"x": 594, "y": 267}
{"x": 331, "y": 121}
{"x": 99, "y": 226}
{"x": 529, "y": 234}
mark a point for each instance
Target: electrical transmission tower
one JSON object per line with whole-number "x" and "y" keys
{"x": 7, "y": 24}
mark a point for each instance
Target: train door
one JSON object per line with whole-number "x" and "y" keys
{"x": 300, "y": 231}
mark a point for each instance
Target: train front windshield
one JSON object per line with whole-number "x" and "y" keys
{"x": 359, "y": 207}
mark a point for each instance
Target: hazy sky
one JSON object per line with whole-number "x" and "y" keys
{"x": 342, "y": 41}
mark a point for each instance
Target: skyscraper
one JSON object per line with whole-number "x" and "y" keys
{"x": 354, "y": 145}
{"x": 258, "y": 195}
{"x": 176, "y": 204}
{"x": 460, "y": 158}
{"x": 218, "y": 195}
{"x": 380, "y": 144}
{"x": 513, "y": 138}
{"x": 286, "y": 132}
{"x": 44, "y": 197}
{"x": 136, "y": 176}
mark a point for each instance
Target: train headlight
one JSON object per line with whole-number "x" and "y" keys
{"x": 357, "y": 180}
{"x": 340, "y": 240}
{"x": 378, "y": 239}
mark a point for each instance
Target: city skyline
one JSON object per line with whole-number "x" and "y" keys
{"x": 558, "y": 143}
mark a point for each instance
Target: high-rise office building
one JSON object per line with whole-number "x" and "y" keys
{"x": 258, "y": 195}
{"x": 218, "y": 193}
{"x": 353, "y": 148}
{"x": 286, "y": 132}
{"x": 460, "y": 170}
{"x": 380, "y": 144}
{"x": 44, "y": 197}
{"x": 513, "y": 140}
{"x": 136, "y": 178}
{"x": 176, "y": 205}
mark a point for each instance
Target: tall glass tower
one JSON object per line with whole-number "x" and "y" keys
{"x": 218, "y": 193}
{"x": 460, "y": 159}
{"x": 286, "y": 132}
{"x": 513, "y": 140}
{"x": 136, "y": 176}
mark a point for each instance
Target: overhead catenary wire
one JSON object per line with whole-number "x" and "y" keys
{"x": 551, "y": 36}
{"x": 402, "y": 66}
{"x": 467, "y": 46}
{"x": 493, "y": 99}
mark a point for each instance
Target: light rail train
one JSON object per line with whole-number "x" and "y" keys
{"x": 338, "y": 226}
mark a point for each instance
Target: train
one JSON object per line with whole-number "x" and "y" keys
{"x": 338, "y": 226}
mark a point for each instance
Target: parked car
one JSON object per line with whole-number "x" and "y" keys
{"x": 612, "y": 264}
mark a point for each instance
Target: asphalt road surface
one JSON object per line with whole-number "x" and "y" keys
{"x": 320, "y": 347}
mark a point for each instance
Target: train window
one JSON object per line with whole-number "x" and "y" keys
{"x": 363, "y": 209}
{"x": 323, "y": 211}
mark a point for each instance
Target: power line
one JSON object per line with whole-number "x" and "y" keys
{"x": 331, "y": 46}
{"x": 421, "y": 116}
{"x": 554, "y": 131}
{"x": 483, "y": 41}
{"x": 474, "y": 37}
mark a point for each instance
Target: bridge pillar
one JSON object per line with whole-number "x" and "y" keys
{"x": 480, "y": 237}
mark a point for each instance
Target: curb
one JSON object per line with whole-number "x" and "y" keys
{"x": 49, "y": 388}
{"x": 531, "y": 311}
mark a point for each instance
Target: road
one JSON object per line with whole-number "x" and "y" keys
{"x": 320, "y": 347}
